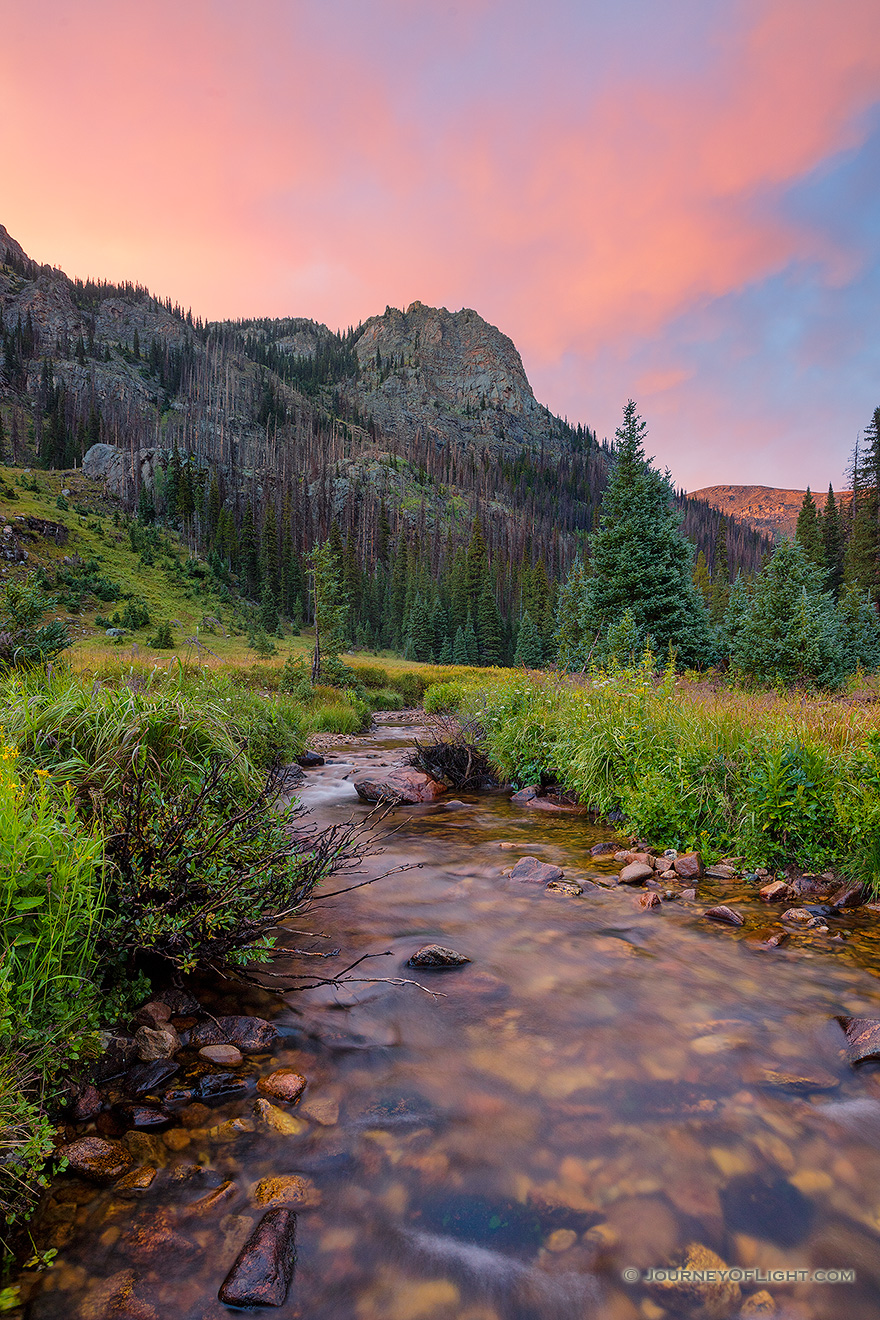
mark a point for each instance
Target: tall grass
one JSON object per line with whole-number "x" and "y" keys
{"x": 775, "y": 779}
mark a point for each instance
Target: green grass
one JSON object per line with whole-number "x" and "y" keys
{"x": 775, "y": 779}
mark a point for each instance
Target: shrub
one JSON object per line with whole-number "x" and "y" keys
{"x": 373, "y": 676}
{"x": 410, "y": 685}
{"x": 162, "y": 639}
{"x": 443, "y": 698}
{"x": 24, "y": 641}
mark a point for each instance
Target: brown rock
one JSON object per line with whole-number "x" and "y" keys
{"x": 760, "y": 1303}
{"x": 154, "y": 1014}
{"x": 156, "y": 1042}
{"x": 283, "y": 1084}
{"x": 850, "y": 896}
{"x": 724, "y": 914}
{"x": 87, "y": 1104}
{"x": 715, "y": 1298}
{"x": 800, "y": 917}
{"x": 530, "y": 870}
{"x": 277, "y": 1120}
{"x": 156, "y": 1239}
{"x": 251, "y": 1035}
{"x": 566, "y": 887}
{"x": 94, "y": 1158}
{"x": 862, "y": 1038}
{"x": 771, "y": 937}
{"x": 291, "y": 1189}
{"x": 803, "y": 1082}
{"x": 138, "y": 1180}
{"x": 437, "y": 957}
{"x": 211, "y": 1202}
{"x": 602, "y": 849}
{"x": 228, "y": 1055}
{"x": 635, "y": 873}
{"x": 690, "y": 894}
{"x": 688, "y": 865}
{"x": 398, "y": 784}
{"x": 661, "y": 864}
{"x": 648, "y": 901}
{"x": 721, "y": 872}
{"x": 322, "y": 1109}
{"x": 525, "y": 795}
{"x": 776, "y": 892}
{"x": 114, "y": 1299}
{"x": 262, "y": 1272}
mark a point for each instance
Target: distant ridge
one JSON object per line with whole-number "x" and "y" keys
{"x": 767, "y": 509}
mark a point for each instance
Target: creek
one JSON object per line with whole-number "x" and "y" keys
{"x": 599, "y": 1088}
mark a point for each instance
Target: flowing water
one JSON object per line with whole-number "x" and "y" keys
{"x": 601, "y": 1087}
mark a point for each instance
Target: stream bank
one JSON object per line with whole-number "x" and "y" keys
{"x": 603, "y": 1087}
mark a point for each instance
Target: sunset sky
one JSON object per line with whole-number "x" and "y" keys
{"x": 677, "y": 202}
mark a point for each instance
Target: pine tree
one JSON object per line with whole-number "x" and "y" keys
{"x": 459, "y": 648}
{"x": 2, "y": 440}
{"x": 791, "y": 632}
{"x": 640, "y": 560}
{"x": 832, "y": 544}
{"x": 490, "y": 629}
{"x": 270, "y": 569}
{"x": 268, "y": 609}
{"x": 444, "y": 655}
{"x": 214, "y": 506}
{"x": 572, "y": 643}
{"x": 720, "y": 574}
{"x": 860, "y": 630}
{"x": 419, "y": 632}
{"x": 329, "y": 606}
{"x": 470, "y": 642}
{"x": 702, "y": 578}
{"x": 248, "y": 553}
{"x": 529, "y": 651}
{"x": 809, "y": 530}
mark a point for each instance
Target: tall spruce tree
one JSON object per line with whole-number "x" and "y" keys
{"x": 329, "y": 606}
{"x": 832, "y": 544}
{"x": 640, "y": 560}
{"x": 490, "y": 630}
{"x": 529, "y": 651}
{"x": 809, "y": 530}
{"x": 720, "y": 574}
{"x": 572, "y": 641}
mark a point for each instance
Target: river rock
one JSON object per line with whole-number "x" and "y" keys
{"x": 648, "y": 901}
{"x": 566, "y": 887}
{"x": 800, "y": 917}
{"x": 804, "y": 1081}
{"x": 712, "y": 1299}
{"x": 283, "y": 1084}
{"x": 228, "y": 1055}
{"x": 530, "y": 870}
{"x": 862, "y": 1038}
{"x": 771, "y": 937}
{"x": 525, "y": 795}
{"x": 154, "y": 1014}
{"x": 724, "y": 914}
{"x": 689, "y": 894}
{"x": 94, "y": 1158}
{"x": 156, "y": 1042}
{"x": 114, "y": 1297}
{"x": 180, "y": 1001}
{"x": 849, "y": 896}
{"x": 437, "y": 957}
{"x": 602, "y": 849}
{"x": 721, "y": 871}
{"x": 776, "y": 892}
{"x": 291, "y": 1189}
{"x": 309, "y": 760}
{"x": 138, "y": 1180}
{"x": 635, "y": 873}
{"x": 688, "y": 865}
{"x": 151, "y": 1240}
{"x": 278, "y": 1120}
{"x": 760, "y": 1303}
{"x": 263, "y": 1269}
{"x": 322, "y": 1109}
{"x": 400, "y": 784}
{"x": 251, "y": 1035}
{"x": 87, "y": 1104}
{"x": 767, "y": 1206}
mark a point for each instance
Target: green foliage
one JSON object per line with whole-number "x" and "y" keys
{"x": 295, "y": 678}
{"x": 573, "y": 639}
{"x": 860, "y": 630}
{"x": 24, "y": 641}
{"x": 623, "y": 641}
{"x": 263, "y": 645}
{"x": 529, "y": 650}
{"x": 640, "y": 560}
{"x": 790, "y": 631}
{"x": 163, "y": 638}
{"x": 330, "y": 606}
{"x": 444, "y": 698}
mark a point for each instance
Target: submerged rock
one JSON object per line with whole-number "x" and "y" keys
{"x": 804, "y": 1081}
{"x": 712, "y": 1297}
{"x": 94, "y": 1158}
{"x": 251, "y": 1035}
{"x": 530, "y": 870}
{"x": 648, "y": 901}
{"x": 263, "y": 1270}
{"x": 725, "y": 915}
{"x": 283, "y": 1084}
{"x": 862, "y": 1038}
{"x": 771, "y": 937}
{"x": 278, "y": 1120}
{"x": 228, "y": 1055}
{"x": 291, "y": 1189}
{"x": 567, "y": 887}
{"x": 602, "y": 849}
{"x": 400, "y": 784}
{"x": 766, "y": 1207}
{"x": 437, "y": 957}
{"x": 800, "y": 917}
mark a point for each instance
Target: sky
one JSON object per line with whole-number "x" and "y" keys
{"x": 677, "y": 203}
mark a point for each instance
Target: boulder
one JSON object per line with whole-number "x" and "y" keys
{"x": 725, "y": 915}
{"x": 154, "y": 1014}
{"x": 146, "y": 1077}
{"x": 530, "y": 870}
{"x": 86, "y": 1105}
{"x": 635, "y": 873}
{"x": 525, "y": 795}
{"x": 862, "y": 1038}
{"x": 283, "y": 1084}
{"x": 688, "y": 865}
{"x": 94, "y": 1158}
{"x": 436, "y": 956}
{"x": 688, "y": 894}
{"x": 251, "y": 1035}
{"x": 262, "y": 1272}
{"x": 849, "y": 896}
{"x": 601, "y": 849}
{"x": 720, "y": 871}
{"x": 400, "y": 784}
{"x": 648, "y": 900}
{"x": 800, "y": 917}
{"x": 309, "y": 760}
{"x": 278, "y": 1120}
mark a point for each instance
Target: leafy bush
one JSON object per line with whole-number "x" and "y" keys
{"x": 295, "y": 678}
{"x": 162, "y": 639}
{"x": 80, "y": 582}
{"x": 24, "y": 641}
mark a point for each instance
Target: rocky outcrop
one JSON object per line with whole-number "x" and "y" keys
{"x": 120, "y": 470}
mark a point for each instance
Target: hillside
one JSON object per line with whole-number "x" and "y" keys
{"x": 395, "y": 436}
{"x": 766, "y": 509}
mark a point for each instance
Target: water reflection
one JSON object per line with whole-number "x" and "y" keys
{"x": 599, "y": 1089}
